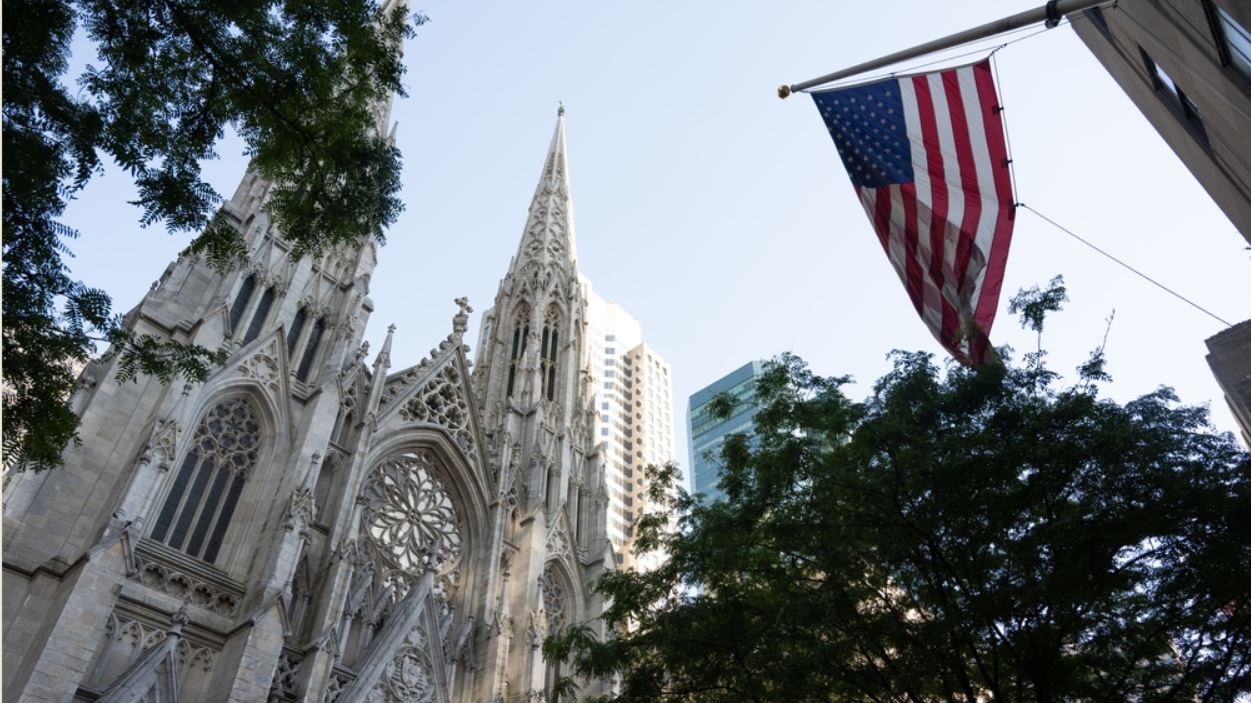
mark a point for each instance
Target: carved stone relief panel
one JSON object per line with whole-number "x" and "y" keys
{"x": 409, "y": 678}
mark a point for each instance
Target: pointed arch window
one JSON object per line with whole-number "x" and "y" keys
{"x": 549, "y": 351}
{"x": 310, "y": 349}
{"x": 554, "y": 604}
{"x": 206, "y": 489}
{"x": 521, "y": 331}
{"x": 261, "y": 314}
{"x": 240, "y": 305}
{"x": 297, "y": 326}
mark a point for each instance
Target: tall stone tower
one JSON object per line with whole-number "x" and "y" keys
{"x": 308, "y": 524}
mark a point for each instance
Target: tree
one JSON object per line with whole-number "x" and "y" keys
{"x": 970, "y": 534}
{"x": 301, "y": 82}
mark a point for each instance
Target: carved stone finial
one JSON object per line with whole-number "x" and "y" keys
{"x": 561, "y": 110}
{"x": 460, "y": 322}
{"x": 383, "y": 360}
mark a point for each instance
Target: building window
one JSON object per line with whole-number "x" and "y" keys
{"x": 240, "y": 305}
{"x": 310, "y": 350}
{"x": 206, "y": 489}
{"x": 521, "y": 331}
{"x": 261, "y": 314}
{"x": 548, "y": 352}
{"x": 1175, "y": 98}
{"x": 1234, "y": 41}
{"x": 297, "y": 326}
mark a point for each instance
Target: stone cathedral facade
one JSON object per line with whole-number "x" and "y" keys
{"x": 313, "y": 524}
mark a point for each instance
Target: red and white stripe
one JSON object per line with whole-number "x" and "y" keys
{"x": 947, "y": 233}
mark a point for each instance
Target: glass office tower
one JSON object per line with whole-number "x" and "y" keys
{"x": 707, "y": 433}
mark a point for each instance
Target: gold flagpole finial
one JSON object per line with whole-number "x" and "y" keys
{"x": 784, "y": 91}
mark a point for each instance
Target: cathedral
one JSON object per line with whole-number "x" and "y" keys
{"x": 312, "y": 523}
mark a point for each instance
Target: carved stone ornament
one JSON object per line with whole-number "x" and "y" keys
{"x": 536, "y": 628}
{"x": 409, "y": 515}
{"x": 162, "y": 577}
{"x": 263, "y": 366}
{"x": 558, "y": 541}
{"x": 357, "y": 360}
{"x": 286, "y": 676}
{"x": 338, "y": 681}
{"x": 301, "y": 511}
{"x": 141, "y": 636}
{"x": 162, "y": 446}
{"x": 395, "y": 387}
{"x": 460, "y": 322}
{"x": 442, "y": 402}
{"x": 407, "y": 679}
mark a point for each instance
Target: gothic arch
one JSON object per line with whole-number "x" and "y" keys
{"x": 561, "y": 608}
{"x": 236, "y": 424}
{"x": 465, "y": 487}
{"x": 468, "y": 484}
{"x": 570, "y": 596}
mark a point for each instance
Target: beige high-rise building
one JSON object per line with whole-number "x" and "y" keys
{"x": 635, "y": 427}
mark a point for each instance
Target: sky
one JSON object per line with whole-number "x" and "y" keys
{"x": 721, "y": 217}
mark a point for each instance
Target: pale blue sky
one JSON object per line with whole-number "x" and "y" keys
{"x": 720, "y": 216}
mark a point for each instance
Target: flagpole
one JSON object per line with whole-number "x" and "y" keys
{"x": 1051, "y": 13}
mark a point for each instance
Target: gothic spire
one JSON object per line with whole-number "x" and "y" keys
{"x": 382, "y": 110}
{"x": 548, "y": 237}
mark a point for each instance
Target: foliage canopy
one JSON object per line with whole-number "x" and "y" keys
{"x": 962, "y": 535}
{"x": 301, "y": 82}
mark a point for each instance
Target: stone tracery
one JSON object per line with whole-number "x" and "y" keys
{"x": 223, "y": 453}
{"x": 553, "y": 600}
{"x": 442, "y": 402}
{"x": 409, "y": 515}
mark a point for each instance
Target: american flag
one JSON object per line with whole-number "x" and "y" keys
{"x": 927, "y": 156}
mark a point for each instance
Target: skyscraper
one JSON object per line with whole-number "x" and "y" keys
{"x": 707, "y": 432}
{"x": 634, "y": 399}
{"x": 310, "y": 525}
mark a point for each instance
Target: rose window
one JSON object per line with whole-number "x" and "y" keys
{"x": 409, "y": 514}
{"x": 553, "y": 600}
